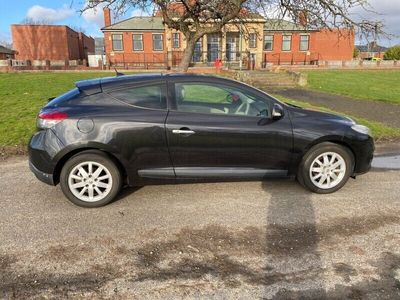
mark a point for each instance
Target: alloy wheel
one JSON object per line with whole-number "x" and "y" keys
{"x": 90, "y": 181}
{"x": 327, "y": 170}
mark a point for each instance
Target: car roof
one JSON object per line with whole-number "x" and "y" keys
{"x": 93, "y": 86}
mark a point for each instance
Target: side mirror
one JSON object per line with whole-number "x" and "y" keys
{"x": 277, "y": 112}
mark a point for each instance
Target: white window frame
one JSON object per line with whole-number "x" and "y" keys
{"x": 289, "y": 40}
{"x": 308, "y": 42}
{"x": 252, "y": 40}
{"x": 121, "y": 40}
{"x": 174, "y": 39}
{"x": 272, "y": 42}
{"x": 141, "y": 40}
{"x": 162, "y": 41}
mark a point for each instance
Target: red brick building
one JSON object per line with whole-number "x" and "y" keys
{"x": 50, "y": 42}
{"x": 147, "y": 41}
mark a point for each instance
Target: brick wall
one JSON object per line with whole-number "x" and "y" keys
{"x": 40, "y": 42}
{"x": 334, "y": 45}
{"x": 129, "y": 56}
{"x": 49, "y": 42}
{"x": 323, "y": 45}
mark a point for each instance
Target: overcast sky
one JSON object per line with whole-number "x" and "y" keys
{"x": 62, "y": 12}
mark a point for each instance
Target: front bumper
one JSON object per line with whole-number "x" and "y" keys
{"x": 364, "y": 153}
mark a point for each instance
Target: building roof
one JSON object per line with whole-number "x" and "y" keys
{"x": 137, "y": 23}
{"x": 283, "y": 25}
{"x": 156, "y": 23}
{"x": 6, "y": 50}
{"x": 371, "y": 48}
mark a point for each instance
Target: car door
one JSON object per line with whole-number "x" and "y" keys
{"x": 216, "y": 128}
{"x": 139, "y": 131}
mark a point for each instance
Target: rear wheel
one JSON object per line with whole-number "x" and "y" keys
{"x": 326, "y": 168}
{"x": 90, "y": 179}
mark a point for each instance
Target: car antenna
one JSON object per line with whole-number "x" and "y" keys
{"x": 118, "y": 73}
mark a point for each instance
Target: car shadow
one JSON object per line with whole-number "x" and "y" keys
{"x": 292, "y": 241}
{"x": 126, "y": 192}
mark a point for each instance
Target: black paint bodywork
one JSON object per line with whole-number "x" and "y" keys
{"x": 224, "y": 147}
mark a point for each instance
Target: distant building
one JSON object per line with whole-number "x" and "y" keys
{"x": 50, "y": 42}
{"x": 371, "y": 50}
{"x": 99, "y": 45}
{"x": 6, "y": 53}
{"x": 148, "y": 40}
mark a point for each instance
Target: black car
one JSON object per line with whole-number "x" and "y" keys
{"x": 171, "y": 128}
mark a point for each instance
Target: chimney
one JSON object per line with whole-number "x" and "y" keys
{"x": 303, "y": 18}
{"x": 107, "y": 16}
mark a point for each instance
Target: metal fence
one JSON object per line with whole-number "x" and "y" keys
{"x": 140, "y": 61}
{"x": 306, "y": 58}
{"x": 228, "y": 58}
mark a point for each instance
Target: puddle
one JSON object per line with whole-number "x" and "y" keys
{"x": 390, "y": 162}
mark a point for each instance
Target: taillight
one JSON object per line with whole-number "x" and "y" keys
{"x": 49, "y": 119}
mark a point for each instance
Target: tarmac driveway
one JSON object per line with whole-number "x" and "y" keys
{"x": 242, "y": 240}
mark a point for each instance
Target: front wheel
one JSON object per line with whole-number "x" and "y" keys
{"x": 90, "y": 179}
{"x": 326, "y": 168}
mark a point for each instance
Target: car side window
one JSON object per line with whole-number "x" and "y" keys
{"x": 218, "y": 99}
{"x": 149, "y": 96}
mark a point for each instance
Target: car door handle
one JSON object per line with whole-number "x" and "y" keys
{"x": 186, "y": 132}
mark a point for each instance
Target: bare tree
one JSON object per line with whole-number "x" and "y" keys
{"x": 6, "y": 44}
{"x": 195, "y": 18}
{"x": 77, "y": 28}
{"x": 30, "y": 21}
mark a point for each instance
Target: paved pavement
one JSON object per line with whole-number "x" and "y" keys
{"x": 247, "y": 240}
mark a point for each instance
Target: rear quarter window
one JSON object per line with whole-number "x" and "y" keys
{"x": 149, "y": 96}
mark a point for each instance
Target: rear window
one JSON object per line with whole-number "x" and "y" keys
{"x": 64, "y": 98}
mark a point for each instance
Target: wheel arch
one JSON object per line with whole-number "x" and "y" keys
{"x": 66, "y": 156}
{"x": 331, "y": 139}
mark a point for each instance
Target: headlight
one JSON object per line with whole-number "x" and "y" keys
{"x": 361, "y": 129}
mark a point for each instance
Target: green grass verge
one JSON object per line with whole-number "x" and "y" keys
{"x": 376, "y": 85}
{"x": 23, "y": 94}
{"x": 379, "y": 130}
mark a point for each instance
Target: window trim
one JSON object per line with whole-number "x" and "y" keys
{"x": 164, "y": 91}
{"x": 173, "y": 40}
{"x": 162, "y": 41}
{"x": 272, "y": 42}
{"x": 308, "y": 43}
{"x": 174, "y": 107}
{"x": 122, "y": 41}
{"x": 290, "y": 45}
{"x": 133, "y": 42}
{"x": 255, "y": 40}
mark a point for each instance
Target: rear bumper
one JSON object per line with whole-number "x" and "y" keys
{"x": 44, "y": 177}
{"x": 42, "y": 148}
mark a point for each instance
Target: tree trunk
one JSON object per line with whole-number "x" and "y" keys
{"x": 187, "y": 54}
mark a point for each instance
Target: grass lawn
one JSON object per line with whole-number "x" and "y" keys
{"x": 379, "y": 130}
{"x": 23, "y": 94}
{"x": 378, "y": 85}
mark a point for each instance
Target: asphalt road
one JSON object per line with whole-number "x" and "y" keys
{"x": 244, "y": 240}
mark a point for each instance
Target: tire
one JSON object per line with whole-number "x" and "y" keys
{"x": 325, "y": 168}
{"x": 93, "y": 187}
